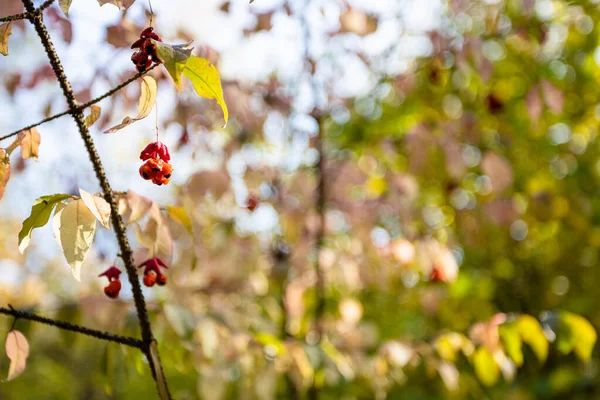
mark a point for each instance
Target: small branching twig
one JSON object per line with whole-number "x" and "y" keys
{"x": 84, "y": 105}
{"x": 127, "y": 341}
{"x": 27, "y": 15}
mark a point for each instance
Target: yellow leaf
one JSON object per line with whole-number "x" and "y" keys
{"x": 98, "y": 206}
{"x": 174, "y": 58}
{"x": 95, "y": 112}
{"x": 5, "y": 31}
{"x": 486, "y": 369}
{"x": 17, "y": 350}
{"x": 30, "y": 143}
{"x": 509, "y": 332}
{"x": 147, "y": 100}
{"x": 206, "y": 80}
{"x": 64, "y": 6}
{"x": 77, "y": 226}
{"x": 4, "y": 171}
{"x": 532, "y": 333}
{"x": 578, "y": 333}
{"x": 180, "y": 215}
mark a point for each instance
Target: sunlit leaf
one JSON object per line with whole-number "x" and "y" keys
{"x": 174, "y": 58}
{"x": 77, "y": 228}
{"x": 65, "y": 5}
{"x": 5, "y": 32}
{"x": 122, "y": 4}
{"x": 39, "y": 216}
{"x": 138, "y": 205}
{"x": 486, "y": 369}
{"x": 17, "y": 350}
{"x": 206, "y": 80}
{"x": 532, "y": 333}
{"x": 576, "y": 334}
{"x": 98, "y": 206}
{"x": 509, "y": 333}
{"x": 180, "y": 215}
{"x": 147, "y": 101}
{"x": 93, "y": 116}
{"x": 30, "y": 143}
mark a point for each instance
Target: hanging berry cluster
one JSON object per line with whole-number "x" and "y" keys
{"x": 156, "y": 167}
{"x": 152, "y": 272}
{"x": 146, "y": 55}
{"x": 114, "y": 284}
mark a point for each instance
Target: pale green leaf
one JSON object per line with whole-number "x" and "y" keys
{"x": 532, "y": 333}
{"x": 98, "y": 206}
{"x": 17, "y": 350}
{"x": 147, "y": 101}
{"x": 77, "y": 229}
{"x": 509, "y": 333}
{"x": 174, "y": 58}
{"x": 486, "y": 368}
{"x": 5, "y": 32}
{"x": 64, "y": 6}
{"x": 206, "y": 80}
{"x": 4, "y": 170}
{"x": 161, "y": 380}
{"x": 39, "y": 216}
{"x": 93, "y": 116}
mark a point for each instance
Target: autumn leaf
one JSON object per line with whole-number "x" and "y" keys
{"x": 485, "y": 366}
{"x": 64, "y": 6}
{"x": 5, "y": 31}
{"x": 122, "y": 4}
{"x": 174, "y": 57}
{"x": 94, "y": 115}
{"x": 39, "y": 216}
{"x": 4, "y": 171}
{"x": 76, "y": 226}
{"x": 147, "y": 100}
{"x": 206, "y": 80}
{"x": 17, "y": 350}
{"x": 30, "y": 143}
{"x": 98, "y": 206}
{"x": 180, "y": 215}
{"x": 138, "y": 205}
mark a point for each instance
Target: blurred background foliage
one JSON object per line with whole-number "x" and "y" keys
{"x": 461, "y": 239}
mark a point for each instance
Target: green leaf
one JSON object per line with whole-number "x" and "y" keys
{"x": 486, "y": 369}
{"x": 77, "y": 226}
{"x": 509, "y": 333}
{"x": 4, "y": 170}
{"x": 532, "y": 333}
{"x": 5, "y": 31}
{"x": 64, "y": 6}
{"x": 576, "y": 334}
{"x": 206, "y": 80}
{"x": 174, "y": 57}
{"x": 39, "y": 216}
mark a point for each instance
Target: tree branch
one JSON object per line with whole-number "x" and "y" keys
{"x": 148, "y": 342}
{"x": 127, "y": 341}
{"x": 83, "y": 106}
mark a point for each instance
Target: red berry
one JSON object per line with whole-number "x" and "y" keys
{"x": 161, "y": 280}
{"x": 156, "y": 150}
{"x": 113, "y": 289}
{"x": 150, "y": 279}
{"x": 146, "y": 32}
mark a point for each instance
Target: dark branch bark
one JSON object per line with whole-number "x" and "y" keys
{"x": 83, "y": 106}
{"x": 119, "y": 226}
{"x": 127, "y": 341}
{"x": 27, "y": 15}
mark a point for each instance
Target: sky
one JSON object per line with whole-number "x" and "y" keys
{"x": 63, "y": 163}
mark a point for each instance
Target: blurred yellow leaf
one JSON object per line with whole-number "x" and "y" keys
{"x": 180, "y": 215}
{"x": 94, "y": 115}
{"x": 30, "y": 143}
{"x": 4, "y": 171}
{"x": 509, "y": 333}
{"x": 147, "y": 101}
{"x": 532, "y": 333}
{"x": 486, "y": 369}
{"x": 577, "y": 334}
{"x": 206, "y": 80}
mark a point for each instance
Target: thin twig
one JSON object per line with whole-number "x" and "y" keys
{"x": 127, "y": 341}
{"x": 148, "y": 342}
{"x": 83, "y": 106}
{"x": 27, "y": 15}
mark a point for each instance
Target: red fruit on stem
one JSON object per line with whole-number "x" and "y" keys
{"x": 161, "y": 280}
{"x": 156, "y": 150}
{"x": 112, "y": 273}
{"x": 146, "y": 32}
{"x": 153, "y": 264}
{"x": 150, "y": 279}
{"x": 113, "y": 289}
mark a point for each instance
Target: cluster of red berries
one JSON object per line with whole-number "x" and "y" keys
{"x": 146, "y": 55}
{"x": 152, "y": 273}
{"x": 152, "y": 276}
{"x": 114, "y": 284}
{"x": 156, "y": 167}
